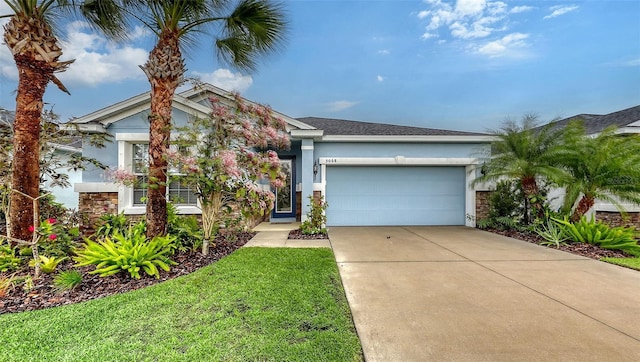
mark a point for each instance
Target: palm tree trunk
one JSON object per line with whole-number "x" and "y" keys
{"x": 530, "y": 189}
{"x": 165, "y": 70}
{"x": 584, "y": 205}
{"x": 33, "y": 79}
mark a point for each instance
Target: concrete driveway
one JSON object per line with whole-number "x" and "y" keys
{"x": 461, "y": 294}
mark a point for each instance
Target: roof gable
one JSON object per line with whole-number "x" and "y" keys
{"x": 189, "y": 101}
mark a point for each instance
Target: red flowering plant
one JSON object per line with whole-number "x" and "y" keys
{"x": 231, "y": 165}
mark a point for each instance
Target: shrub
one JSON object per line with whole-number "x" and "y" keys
{"x": 6, "y": 284}
{"x": 552, "y": 234}
{"x": 8, "y": 259}
{"x": 111, "y": 224}
{"x": 130, "y": 253}
{"x": 506, "y": 201}
{"x": 316, "y": 218}
{"x": 67, "y": 280}
{"x": 597, "y": 233}
{"x": 499, "y": 223}
{"x": 185, "y": 228}
{"x": 48, "y": 264}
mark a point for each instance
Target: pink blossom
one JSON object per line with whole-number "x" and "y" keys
{"x": 124, "y": 177}
{"x": 53, "y": 237}
{"x": 277, "y": 183}
{"x": 51, "y": 221}
{"x": 31, "y": 228}
{"x": 271, "y": 133}
{"x": 230, "y": 163}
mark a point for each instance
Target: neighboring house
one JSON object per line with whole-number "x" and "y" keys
{"x": 63, "y": 151}
{"x": 369, "y": 173}
{"x": 628, "y": 122}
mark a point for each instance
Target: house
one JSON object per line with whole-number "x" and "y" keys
{"x": 369, "y": 173}
{"x": 63, "y": 150}
{"x": 627, "y": 121}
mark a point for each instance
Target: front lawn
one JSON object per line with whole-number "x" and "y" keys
{"x": 261, "y": 304}
{"x": 633, "y": 263}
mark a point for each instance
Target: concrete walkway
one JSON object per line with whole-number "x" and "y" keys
{"x": 276, "y": 236}
{"x": 461, "y": 294}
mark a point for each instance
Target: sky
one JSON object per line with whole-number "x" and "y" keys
{"x": 461, "y": 65}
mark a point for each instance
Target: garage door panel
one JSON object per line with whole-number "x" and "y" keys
{"x": 395, "y": 195}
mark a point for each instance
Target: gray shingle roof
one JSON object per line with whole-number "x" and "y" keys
{"x": 595, "y": 123}
{"x": 341, "y": 127}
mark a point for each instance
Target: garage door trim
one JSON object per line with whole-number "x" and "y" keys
{"x": 469, "y": 163}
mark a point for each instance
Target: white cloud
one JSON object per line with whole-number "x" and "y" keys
{"x": 340, "y": 105}
{"x": 467, "y": 19}
{"x": 470, "y": 7}
{"x": 225, "y": 79}
{"x": 426, "y": 36}
{"x": 521, "y": 9}
{"x": 98, "y": 60}
{"x": 633, "y": 63}
{"x": 380, "y": 78}
{"x": 384, "y": 52}
{"x": 560, "y": 10}
{"x": 507, "y": 45}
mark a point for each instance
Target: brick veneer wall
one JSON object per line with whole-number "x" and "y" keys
{"x": 92, "y": 205}
{"x": 482, "y": 204}
{"x": 617, "y": 219}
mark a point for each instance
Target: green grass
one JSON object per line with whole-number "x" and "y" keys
{"x": 258, "y": 304}
{"x": 633, "y": 263}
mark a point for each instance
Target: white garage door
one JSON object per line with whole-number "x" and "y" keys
{"x": 381, "y": 195}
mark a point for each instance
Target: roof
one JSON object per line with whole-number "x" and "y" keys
{"x": 595, "y": 123}
{"x": 341, "y": 127}
{"x": 64, "y": 143}
{"x": 187, "y": 101}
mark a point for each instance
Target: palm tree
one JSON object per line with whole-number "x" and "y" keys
{"x": 525, "y": 153}
{"x": 36, "y": 52}
{"x": 252, "y": 29}
{"x": 605, "y": 167}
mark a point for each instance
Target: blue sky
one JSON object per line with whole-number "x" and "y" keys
{"x": 461, "y": 65}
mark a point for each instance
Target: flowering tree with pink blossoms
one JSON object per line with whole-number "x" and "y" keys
{"x": 229, "y": 162}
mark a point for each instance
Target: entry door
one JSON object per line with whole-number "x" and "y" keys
{"x": 285, "y": 204}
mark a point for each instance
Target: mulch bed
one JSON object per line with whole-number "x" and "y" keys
{"x": 298, "y": 235}
{"x": 93, "y": 286}
{"x": 583, "y": 249}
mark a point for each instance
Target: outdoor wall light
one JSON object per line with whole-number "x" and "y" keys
{"x": 315, "y": 168}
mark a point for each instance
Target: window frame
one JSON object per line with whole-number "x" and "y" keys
{"x": 126, "y": 203}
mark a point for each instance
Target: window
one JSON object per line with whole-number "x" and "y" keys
{"x": 178, "y": 192}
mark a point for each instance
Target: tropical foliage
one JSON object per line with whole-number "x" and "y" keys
{"x": 250, "y": 30}
{"x": 604, "y": 167}
{"x": 131, "y": 252}
{"x": 229, "y": 156}
{"x": 524, "y": 153}
{"x": 316, "y": 218}
{"x": 36, "y": 52}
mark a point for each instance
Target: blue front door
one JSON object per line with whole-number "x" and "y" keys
{"x": 285, "y": 204}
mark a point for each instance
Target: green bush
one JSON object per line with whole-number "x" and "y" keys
{"x": 8, "y": 259}
{"x": 67, "y": 280}
{"x": 111, "y": 224}
{"x": 499, "y": 223}
{"x": 185, "y": 228}
{"x": 552, "y": 233}
{"x": 316, "y": 218}
{"x": 506, "y": 201}
{"x": 131, "y": 252}
{"x": 598, "y": 233}
{"x": 47, "y": 264}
